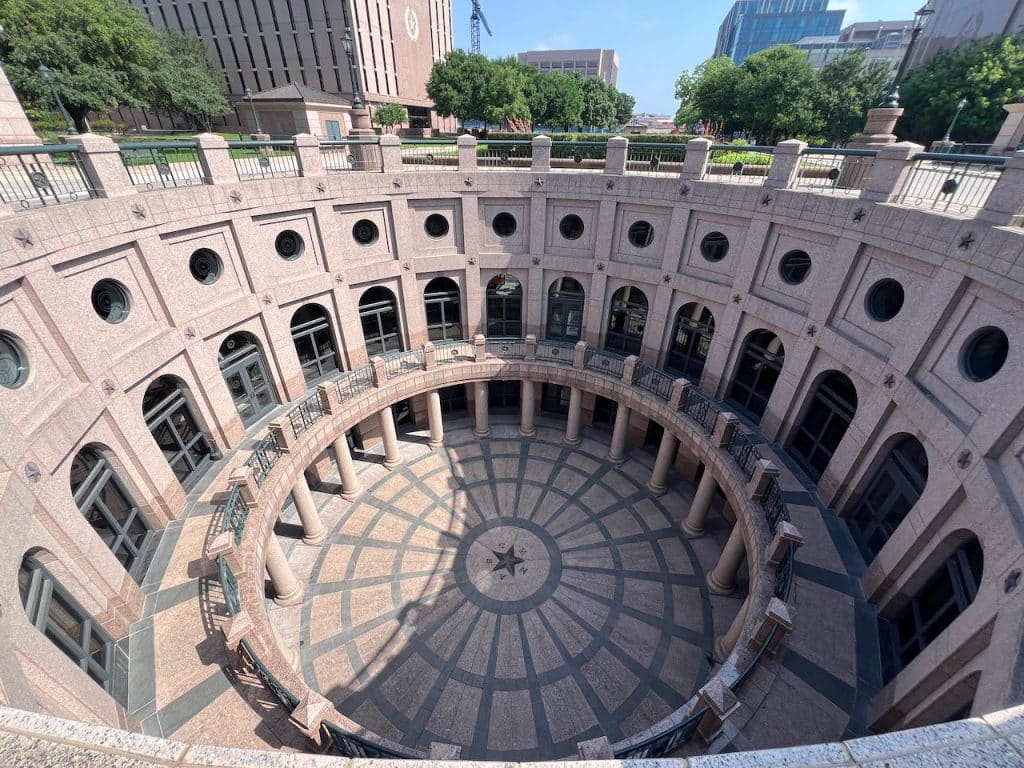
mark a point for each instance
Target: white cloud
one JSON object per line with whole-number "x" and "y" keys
{"x": 556, "y": 43}
{"x": 854, "y": 9}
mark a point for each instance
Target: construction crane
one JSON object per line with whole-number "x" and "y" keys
{"x": 475, "y": 20}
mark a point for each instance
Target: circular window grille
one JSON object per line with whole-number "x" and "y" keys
{"x": 571, "y": 227}
{"x": 365, "y": 232}
{"x": 289, "y": 245}
{"x": 504, "y": 224}
{"x": 794, "y": 267}
{"x": 984, "y": 353}
{"x": 714, "y": 246}
{"x": 13, "y": 365}
{"x": 205, "y": 266}
{"x": 641, "y": 233}
{"x": 884, "y": 300}
{"x": 436, "y": 225}
{"x": 111, "y": 301}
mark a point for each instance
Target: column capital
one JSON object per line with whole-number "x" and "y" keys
{"x": 764, "y": 473}
{"x": 379, "y": 370}
{"x": 579, "y": 355}
{"x": 281, "y": 429}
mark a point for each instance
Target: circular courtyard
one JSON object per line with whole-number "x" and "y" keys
{"x": 510, "y": 596}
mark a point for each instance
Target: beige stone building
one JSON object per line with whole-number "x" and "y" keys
{"x": 602, "y": 63}
{"x": 394, "y": 457}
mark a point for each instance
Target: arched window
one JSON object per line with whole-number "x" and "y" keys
{"x": 65, "y": 623}
{"x": 241, "y": 365}
{"x": 626, "y": 321}
{"x": 504, "y": 306}
{"x": 444, "y": 309}
{"x": 756, "y": 373}
{"x": 311, "y": 333}
{"x": 378, "y": 313}
{"x": 565, "y": 310}
{"x": 947, "y": 593}
{"x": 110, "y": 510}
{"x": 893, "y": 490}
{"x": 691, "y": 339}
{"x": 831, "y": 410}
{"x": 173, "y": 425}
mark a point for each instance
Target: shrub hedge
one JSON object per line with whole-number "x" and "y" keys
{"x": 654, "y": 138}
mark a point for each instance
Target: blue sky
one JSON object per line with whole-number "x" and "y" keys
{"x": 655, "y": 39}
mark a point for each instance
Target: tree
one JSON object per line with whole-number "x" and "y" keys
{"x": 598, "y": 103}
{"x": 185, "y": 81}
{"x": 101, "y": 52}
{"x": 558, "y": 100}
{"x": 624, "y": 105}
{"x": 506, "y": 85}
{"x": 988, "y": 73}
{"x": 457, "y": 84}
{"x": 848, "y": 88}
{"x": 390, "y": 115}
{"x": 777, "y": 98}
{"x": 711, "y": 93}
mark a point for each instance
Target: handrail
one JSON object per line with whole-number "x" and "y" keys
{"x": 959, "y": 159}
{"x": 262, "y": 143}
{"x": 182, "y": 144}
{"x": 39, "y": 149}
{"x": 844, "y": 151}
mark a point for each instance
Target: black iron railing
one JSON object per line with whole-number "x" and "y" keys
{"x": 351, "y": 155}
{"x": 504, "y": 154}
{"x": 741, "y": 449}
{"x": 236, "y": 513}
{"x": 950, "y": 183}
{"x": 512, "y": 348}
{"x": 306, "y": 414}
{"x": 264, "y": 456}
{"x": 162, "y": 164}
{"x": 430, "y": 155}
{"x": 398, "y": 363}
{"x": 556, "y": 351}
{"x": 654, "y": 380}
{"x": 264, "y": 159}
{"x": 655, "y": 157}
{"x": 833, "y": 170}
{"x": 50, "y": 174}
{"x": 604, "y": 362}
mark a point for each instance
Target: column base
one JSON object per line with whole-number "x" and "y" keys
{"x": 720, "y": 652}
{"x": 351, "y": 495}
{"x": 434, "y": 444}
{"x": 482, "y": 435}
{"x": 717, "y": 588}
{"x": 657, "y": 490}
{"x": 318, "y": 539}
{"x": 572, "y": 441}
{"x": 390, "y": 464}
{"x": 691, "y": 532}
{"x": 294, "y": 598}
{"x": 618, "y": 461}
{"x": 530, "y": 433}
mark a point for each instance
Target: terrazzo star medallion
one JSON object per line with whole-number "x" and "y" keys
{"x": 507, "y": 561}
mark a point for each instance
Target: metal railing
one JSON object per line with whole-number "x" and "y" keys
{"x": 739, "y": 164}
{"x": 504, "y": 154}
{"x": 658, "y": 158}
{"x": 351, "y": 384}
{"x": 43, "y": 175}
{"x": 229, "y": 585}
{"x": 834, "y": 170}
{"x": 287, "y": 699}
{"x": 454, "y": 351}
{"x": 398, "y": 363}
{"x": 556, "y": 351}
{"x": 774, "y": 507}
{"x": 506, "y": 347}
{"x": 349, "y": 745}
{"x": 653, "y": 380}
{"x": 351, "y": 155}
{"x": 950, "y": 183}
{"x": 306, "y": 414}
{"x": 264, "y": 159}
{"x": 741, "y": 449}
{"x": 236, "y": 514}
{"x": 701, "y": 409}
{"x": 162, "y": 164}
{"x": 664, "y": 743}
{"x": 604, "y": 362}
{"x": 264, "y": 456}
{"x": 579, "y": 155}
{"x": 430, "y": 155}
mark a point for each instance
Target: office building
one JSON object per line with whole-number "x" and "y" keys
{"x": 602, "y": 63}
{"x": 884, "y": 41}
{"x": 753, "y": 25}
{"x": 955, "y": 23}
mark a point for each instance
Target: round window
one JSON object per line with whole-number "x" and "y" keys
{"x": 13, "y": 365}
{"x": 289, "y": 245}
{"x": 884, "y": 300}
{"x": 365, "y": 232}
{"x": 504, "y": 224}
{"x": 571, "y": 227}
{"x": 111, "y": 301}
{"x": 641, "y": 233}
{"x": 794, "y": 267}
{"x": 984, "y": 354}
{"x": 436, "y": 225}
{"x": 205, "y": 266}
{"x": 714, "y": 246}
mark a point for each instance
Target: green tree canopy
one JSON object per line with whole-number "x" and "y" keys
{"x": 558, "y": 100}
{"x": 848, "y": 88}
{"x": 988, "y": 73}
{"x": 599, "y": 102}
{"x": 711, "y": 92}
{"x": 624, "y": 106}
{"x": 777, "y": 99}
{"x": 457, "y": 84}
{"x": 185, "y": 81}
{"x": 389, "y": 115}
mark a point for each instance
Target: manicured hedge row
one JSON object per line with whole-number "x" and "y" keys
{"x": 659, "y": 138}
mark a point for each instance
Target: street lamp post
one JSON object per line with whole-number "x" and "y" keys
{"x": 959, "y": 108}
{"x": 357, "y": 101}
{"x": 921, "y": 16}
{"x": 252, "y": 106}
{"x": 47, "y": 75}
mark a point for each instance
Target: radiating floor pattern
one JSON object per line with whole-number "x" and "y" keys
{"x": 512, "y": 596}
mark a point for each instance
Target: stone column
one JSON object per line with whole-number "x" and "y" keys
{"x": 435, "y": 420}
{"x": 693, "y": 525}
{"x": 658, "y": 483}
{"x": 617, "y": 449}
{"x": 287, "y": 588}
{"x": 695, "y": 163}
{"x": 725, "y": 643}
{"x": 572, "y": 425}
{"x": 482, "y": 428}
{"x": 101, "y": 160}
{"x": 527, "y": 399}
{"x": 722, "y": 579}
{"x": 307, "y": 152}
{"x": 313, "y": 531}
{"x": 392, "y": 456}
{"x": 350, "y": 487}
{"x": 466, "y": 147}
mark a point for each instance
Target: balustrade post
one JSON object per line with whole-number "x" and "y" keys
{"x": 785, "y": 164}
{"x": 435, "y": 420}
{"x": 482, "y": 428}
{"x": 307, "y": 154}
{"x": 527, "y": 398}
{"x": 573, "y": 422}
{"x": 719, "y": 702}
{"x": 617, "y": 447}
{"x": 787, "y": 537}
{"x": 283, "y": 434}
{"x": 693, "y": 525}
{"x": 392, "y": 454}
{"x": 309, "y": 713}
{"x": 215, "y": 159}
{"x": 466, "y": 145}
{"x": 236, "y": 629}
{"x": 247, "y": 490}
{"x": 680, "y": 393}
{"x": 778, "y": 616}
{"x": 391, "y": 153}
{"x": 287, "y": 588}
{"x": 1005, "y": 204}
{"x": 629, "y": 369}
{"x": 429, "y": 356}
{"x": 579, "y": 355}
{"x": 379, "y": 371}
{"x": 102, "y": 163}
{"x": 722, "y": 578}
{"x": 658, "y": 483}
{"x": 695, "y": 163}
{"x": 350, "y": 487}
{"x": 889, "y": 171}
{"x": 530, "y": 352}
{"x": 327, "y": 392}
{"x": 480, "y": 347}
{"x": 313, "y": 530}
{"x": 615, "y": 156}
{"x": 224, "y": 544}
{"x": 540, "y": 152}
{"x": 764, "y": 473}
{"x": 725, "y": 424}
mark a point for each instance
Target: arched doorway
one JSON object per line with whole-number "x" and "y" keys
{"x": 757, "y": 371}
{"x": 627, "y": 319}
{"x": 691, "y": 339}
{"x": 827, "y": 418}
{"x": 311, "y": 334}
{"x": 170, "y": 420}
{"x": 243, "y": 369}
{"x": 889, "y": 495}
{"x": 565, "y": 310}
{"x": 378, "y": 313}
{"x": 504, "y": 306}
{"x": 444, "y": 309}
